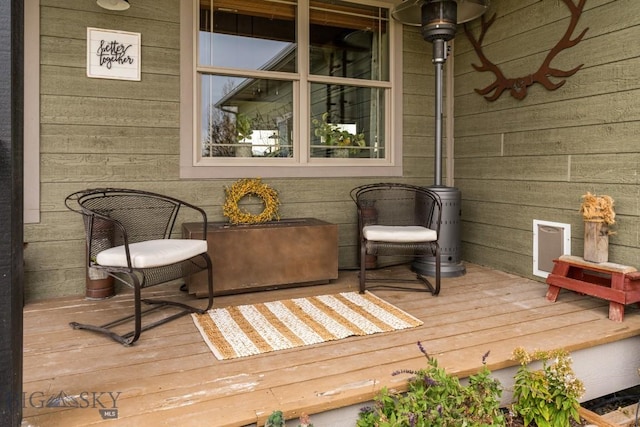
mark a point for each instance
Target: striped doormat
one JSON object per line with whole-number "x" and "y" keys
{"x": 248, "y": 330}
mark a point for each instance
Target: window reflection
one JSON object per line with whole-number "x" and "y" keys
{"x": 246, "y": 117}
{"x": 347, "y": 121}
{"x": 348, "y": 40}
{"x": 248, "y": 34}
{"x": 248, "y": 70}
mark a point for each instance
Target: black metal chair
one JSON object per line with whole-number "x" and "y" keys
{"x": 128, "y": 237}
{"x": 398, "y": 220}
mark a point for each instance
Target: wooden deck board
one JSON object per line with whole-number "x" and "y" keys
{"x": 170, "y": 376}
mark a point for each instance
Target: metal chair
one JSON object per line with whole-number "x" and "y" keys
{"x": 398, "y": 220}
{"x": 128, "y": 237}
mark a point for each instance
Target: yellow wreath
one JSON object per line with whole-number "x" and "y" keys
{"x": 245, "y": 187}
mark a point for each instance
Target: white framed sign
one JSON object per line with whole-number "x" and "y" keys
{"x": 113, "y": 54}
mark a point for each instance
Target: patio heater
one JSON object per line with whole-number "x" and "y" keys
{"x": 438, "y": 20}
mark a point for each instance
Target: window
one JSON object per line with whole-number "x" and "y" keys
{"x": 290, "y": 88}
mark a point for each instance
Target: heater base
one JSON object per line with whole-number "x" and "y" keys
{"x": 449, "y": 238}
{"x": 428, "y": 268}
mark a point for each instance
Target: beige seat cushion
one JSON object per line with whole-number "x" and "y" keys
{"x": 399, "y": 234}
{"x": 152, "y": 253}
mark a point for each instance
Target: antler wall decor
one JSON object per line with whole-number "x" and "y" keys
{"x": 518, "y": 86}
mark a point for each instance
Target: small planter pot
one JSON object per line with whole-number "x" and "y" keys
{"x": 98, "y": 284}
{"x": 244, "y": 149}
{"x": 342, "y": 153}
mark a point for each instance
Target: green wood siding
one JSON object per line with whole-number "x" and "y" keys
{"x": 517, "y": 161}
{"x": 99, "y": 132}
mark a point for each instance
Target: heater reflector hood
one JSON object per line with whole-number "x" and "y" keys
{"x": 409, "y": 11}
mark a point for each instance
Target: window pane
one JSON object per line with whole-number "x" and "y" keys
{"x": 348, "y": 40}
{"x": 246, "y": 117}
{"x": 347, "y": 121}
{"x": 248, "y": 34}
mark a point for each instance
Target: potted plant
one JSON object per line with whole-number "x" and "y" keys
{"x": 436, "y": 398}
{"x": 244, "y": 130}
{"x": 545, "y": 397}
{"x": 276, "y": 419}
{"x": 598, "y": 215}
{"x": 548, "y": 396}
{"x": 335, "y": 136}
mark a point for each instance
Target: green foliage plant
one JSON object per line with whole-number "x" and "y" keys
{"x": 276, "y": 419}
{"x": 436, "y": 398}
{"x": 333, "y": 135}
{"x": 548, "y": 396}
{"x": 244, "y": 128}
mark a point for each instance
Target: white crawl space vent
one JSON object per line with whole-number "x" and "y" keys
{"x": 550, "y": 240}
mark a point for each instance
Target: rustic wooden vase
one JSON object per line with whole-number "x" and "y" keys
{"x": 596, "y": 241}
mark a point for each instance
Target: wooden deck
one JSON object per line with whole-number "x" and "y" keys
{"x": 169, "y": 377}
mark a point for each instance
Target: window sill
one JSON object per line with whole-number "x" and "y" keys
{"x": 231, "y": 171}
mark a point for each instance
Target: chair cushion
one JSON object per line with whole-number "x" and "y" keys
{"x": 399, "y": 233}
{"x": 152, "y": 253}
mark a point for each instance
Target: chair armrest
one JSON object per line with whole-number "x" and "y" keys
{"x": 113, "y": 224}
{"x": 202, "y": 213}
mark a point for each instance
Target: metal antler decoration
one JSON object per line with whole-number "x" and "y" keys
{"x": 518, "y": 86}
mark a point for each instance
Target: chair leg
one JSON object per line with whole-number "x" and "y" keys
{"x": 438, "y": 275}
{"x": 138, "y": 311}
{"x": 363, "y": 255}
{"x": 210, "y": 282}
{"x": 392, "y": 283}
{"x": 435, "y": 290}
{"x": 131, "y": 337}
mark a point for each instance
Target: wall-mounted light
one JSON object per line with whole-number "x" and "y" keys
{"x": 114, "y": 4}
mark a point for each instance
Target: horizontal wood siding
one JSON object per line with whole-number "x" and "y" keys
{"x": 520, "y": 160}
{"x": 515, "y": 161}
{"x": 101, "y": 132}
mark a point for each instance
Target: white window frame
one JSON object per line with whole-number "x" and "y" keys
{"x": 300, "y": 166}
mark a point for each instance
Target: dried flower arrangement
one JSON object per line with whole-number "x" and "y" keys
{"x": 597, "y": 209}
{"x": 598, "y": 214}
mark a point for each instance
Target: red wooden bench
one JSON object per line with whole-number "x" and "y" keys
{"x": 616, "y": 283}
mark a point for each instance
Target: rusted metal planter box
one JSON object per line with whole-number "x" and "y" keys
{"x": 291, "y": 252}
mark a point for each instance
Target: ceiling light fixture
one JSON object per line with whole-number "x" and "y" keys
{"x": 114, "y": 4}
